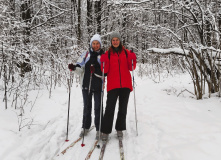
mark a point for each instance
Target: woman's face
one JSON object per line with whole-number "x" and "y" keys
{"x": 115, "y": 42}
{"x": 96, "y": 45}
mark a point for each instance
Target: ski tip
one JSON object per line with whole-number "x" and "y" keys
{"x": 66, "y": 140}
{"x": 82, "y": 145}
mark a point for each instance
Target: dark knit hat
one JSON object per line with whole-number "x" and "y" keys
{"x": 115, "y": 34}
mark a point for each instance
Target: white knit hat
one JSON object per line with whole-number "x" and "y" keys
{"x": 96, "y": 37}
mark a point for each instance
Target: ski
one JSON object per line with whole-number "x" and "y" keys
{"x": 121, "y": 148}
{"x": 73, "y": 143}
{"x": 102, "y": 150}
{"x": 92, "y": 149}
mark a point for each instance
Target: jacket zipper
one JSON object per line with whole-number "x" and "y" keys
{"x": 119, "y": 70}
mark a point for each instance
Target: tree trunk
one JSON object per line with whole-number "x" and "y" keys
{"x": 5, "y": 75}
{"x": 124, "y": 23}
{"x": 26, "y": 17}
{"x": 79, "y": 23}
{"x": 89, "y": 19}
{"x": 219, "y": 27}
{"x": 98, "y": 15}
{"x": 208, "y": 33}
{"x": 73, "y": 2}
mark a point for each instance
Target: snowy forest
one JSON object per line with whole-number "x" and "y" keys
{"x": 39, "y": 38}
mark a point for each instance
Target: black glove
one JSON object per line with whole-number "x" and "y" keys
{"x": 92, "y": 69}
{"x": 72, "y": 67}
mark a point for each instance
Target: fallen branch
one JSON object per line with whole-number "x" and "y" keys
{"x": 184, "y": 91}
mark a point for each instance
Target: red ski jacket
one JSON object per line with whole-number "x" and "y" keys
{"x": 118, "y": 67}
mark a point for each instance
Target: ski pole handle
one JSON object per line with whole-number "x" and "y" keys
{"x": 92, "y": 69}
{"x": 90, "y": 81}
{"x": 133, "y": 72}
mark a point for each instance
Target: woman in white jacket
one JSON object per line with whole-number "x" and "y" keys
{"x": 88, "y": 67}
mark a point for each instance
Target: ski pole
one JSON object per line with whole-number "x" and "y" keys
{"x": 69, "y": 86}
{"x": 101, "y": 106}
{"x": 134, "y": 96}
{"x": 90, "y": 81}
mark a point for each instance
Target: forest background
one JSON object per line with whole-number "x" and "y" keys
{"x": 39, "y": 38}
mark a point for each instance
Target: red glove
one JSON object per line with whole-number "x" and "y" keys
{"x": 92, "y": 69}
{"x": 104, "y": 58}
{"x": 132, "y": 56}
{"x": 71, "y": 67}
{"x": 104, "y": 62}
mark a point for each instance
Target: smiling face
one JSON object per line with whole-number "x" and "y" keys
{"x": 96, "y": 45}
{"x": 115, "y": 42}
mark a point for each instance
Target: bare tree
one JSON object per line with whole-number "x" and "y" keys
{"x": 79, "y": 22}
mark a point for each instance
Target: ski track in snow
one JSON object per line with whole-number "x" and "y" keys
{"x": 169, "y": 127}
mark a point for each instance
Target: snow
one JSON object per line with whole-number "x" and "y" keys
{"x": 170, "y": 127}
{"x": 167, "y": 51}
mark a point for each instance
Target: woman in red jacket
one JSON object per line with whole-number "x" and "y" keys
{"x": 117, "y": 63}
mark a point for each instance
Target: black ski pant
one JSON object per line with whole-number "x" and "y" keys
{"x": 86, "y": 123}
{"x": 107, "y": 121}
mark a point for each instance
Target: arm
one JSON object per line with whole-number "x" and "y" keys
{"x": 105, "y": 61}
{"x": 131, "y": 57}
{"x": 79, "y": 67}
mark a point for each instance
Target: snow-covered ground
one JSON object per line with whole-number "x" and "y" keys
{"x": 170, "y": 127}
